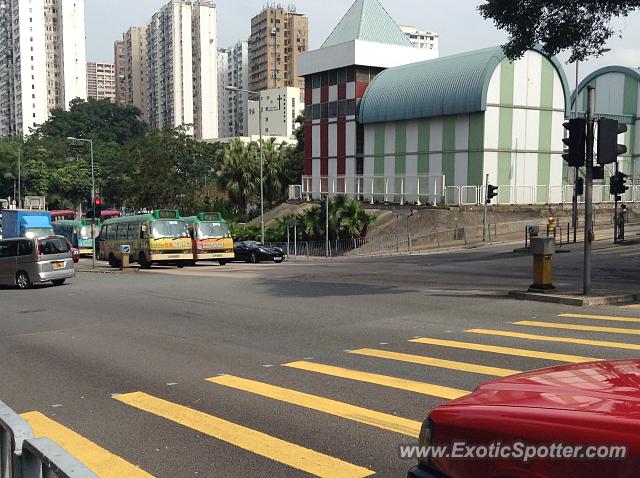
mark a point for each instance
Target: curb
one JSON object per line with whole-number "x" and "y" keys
{"x": 575, "y": 300}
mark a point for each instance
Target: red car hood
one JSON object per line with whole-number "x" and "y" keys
{"x": 611, "y": 387}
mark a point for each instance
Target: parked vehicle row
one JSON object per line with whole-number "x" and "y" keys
{"x": 164, "y": 237}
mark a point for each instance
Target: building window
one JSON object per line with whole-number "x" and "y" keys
{"x": 333, "y": 109}
{"x": 316, "y": 111}
{"x": 333, "y": 77}
{"x": 316, "y": 81}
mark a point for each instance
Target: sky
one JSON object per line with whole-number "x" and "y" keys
{"x": 458, "y": 22}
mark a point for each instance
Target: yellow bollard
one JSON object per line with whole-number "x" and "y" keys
{"x": 543, "y": 249}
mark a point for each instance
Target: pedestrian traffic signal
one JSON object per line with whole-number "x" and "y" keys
{"x": 608, "y": 147}
{"x": 617, "y": 184}
{"x": 492, "y": 191}
{"x": 576, "y": 142}
{"x": 579, "y": 186}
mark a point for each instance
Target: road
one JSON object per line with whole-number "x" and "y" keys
{"x": 300, "y": 369}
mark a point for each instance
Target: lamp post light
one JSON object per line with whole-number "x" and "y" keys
{"x": 250, "y": 92}
{"x": 93, "y": 199}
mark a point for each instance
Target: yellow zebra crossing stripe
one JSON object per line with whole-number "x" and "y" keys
{"x": 295, "y": 456}
{"x": 585, "y": 328}
{"x": 601, "y": 317}
{"x": 547, "y": 338}
{"x": 504, "y": 350}
{"x": 384, "y": 380}
{"x": 332, "y": 407}
{"x": 435, "y": 362}
{"x": 102, "y": 462}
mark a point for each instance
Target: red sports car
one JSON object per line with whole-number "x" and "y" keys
{"x": 573, "y": 421}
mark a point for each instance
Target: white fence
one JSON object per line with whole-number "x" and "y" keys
{"x": 432, "y": 190}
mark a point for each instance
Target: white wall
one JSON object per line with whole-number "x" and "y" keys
{"x": 74, "y": 56}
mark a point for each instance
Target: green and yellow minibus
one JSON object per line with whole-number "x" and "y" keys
{"x": 211, "y": 238}
{"x": 78, "y": 233}
{"x": 161, "y": 237}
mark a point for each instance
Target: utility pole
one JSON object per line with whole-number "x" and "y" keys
{"x": 588, "y": 191}
{"x": 20, "y": 176}
{"x": 615, "y": 211}
{"x": 486, "y": 200}
{"x": 574, "y": 202}
{"x": 326, "y": 228}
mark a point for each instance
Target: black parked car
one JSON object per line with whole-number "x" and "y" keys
{"x": 254, "y": 252}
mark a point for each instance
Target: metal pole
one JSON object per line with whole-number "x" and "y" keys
{"x": 326, "y": 228}
{"x": 588, "y": 192}
{"x": 574, "y": 202}
{"x": 295, "y": 240}
{"x": 20, "y": 176}
{"x": 261, "y": 169}
{"x": 615, "y": 213}
{"x": 93, "y": 202}
{"x": 288, "y": 241}
{"x": 484, "y": 220}
{"x": 397, "y": 232}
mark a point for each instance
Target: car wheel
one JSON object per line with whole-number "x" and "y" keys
{"x": 253, "y": 258}
{"x": 58, "y": 282}
{"x": 143, "y": 261}
{"x": 22, "y": 280}
{"x": 180, "y": 265}
{"x": 222, "y": 263}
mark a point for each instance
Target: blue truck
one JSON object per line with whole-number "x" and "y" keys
{"x": 26, "y": 223}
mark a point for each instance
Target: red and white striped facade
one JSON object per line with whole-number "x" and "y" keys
{"x": 333, "y": 140}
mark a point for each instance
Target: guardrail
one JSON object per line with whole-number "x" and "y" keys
{"x": 432, "y": 190}
{"x": 24, "y": 456}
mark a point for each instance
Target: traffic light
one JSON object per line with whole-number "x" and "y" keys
{"x": 492, "y": 191}
{"x": 97, "y": 208}
{"x": 576, "y": 142}
{"x": 617, "y": 184}
{"x": 608, "y": 147}
{"x": 579, "y": 186}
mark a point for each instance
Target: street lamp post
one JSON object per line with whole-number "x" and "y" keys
{"x": 93, "y": 199}
{"x": 250, "y": 92}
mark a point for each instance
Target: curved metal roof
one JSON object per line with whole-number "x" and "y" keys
{"x": 449, "y": 85}
{"x": 633, "y": 72}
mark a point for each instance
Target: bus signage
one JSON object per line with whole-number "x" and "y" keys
{"x": 210, "y": 216}
{"x": 166, "y": 214}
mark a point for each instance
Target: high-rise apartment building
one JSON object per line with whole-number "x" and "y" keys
{"x": 119, "y": 63}
{"x": 135, "y": 68}
{"x": 101, "y": 81}
{"x": 421, "y": 39}
{"x": 182, "y": 80}
{"x": 278, "y": 36}
{"x": 233, "y": 70}
{"x": 42, "y": 62}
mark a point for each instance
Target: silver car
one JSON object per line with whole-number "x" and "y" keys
{"x": 24, "y": 262}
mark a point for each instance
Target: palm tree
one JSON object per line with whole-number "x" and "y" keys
{"x": 273, "y": 166}
{"x": 238, "y": 174}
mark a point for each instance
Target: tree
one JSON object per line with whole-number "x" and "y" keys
{"x": 238, "y": 173}
{"x": 581, "y": 26}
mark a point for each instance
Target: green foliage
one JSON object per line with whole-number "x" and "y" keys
{"x": 583, "y": 27}
{"x": 347, "y": 220}
{"x": 142, "y": 168}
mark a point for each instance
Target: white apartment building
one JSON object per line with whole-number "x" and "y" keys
{"x": 182, "y": 80}
{"x": 422, "y": 39}
{"x": 101, "y": 81}
{"x": 233, "y": 105}
{"x": 280, "y": 108}
{"x": 43, "y": 62}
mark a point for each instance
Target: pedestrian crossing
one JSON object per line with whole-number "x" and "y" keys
{"x": 429, "y": 353}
